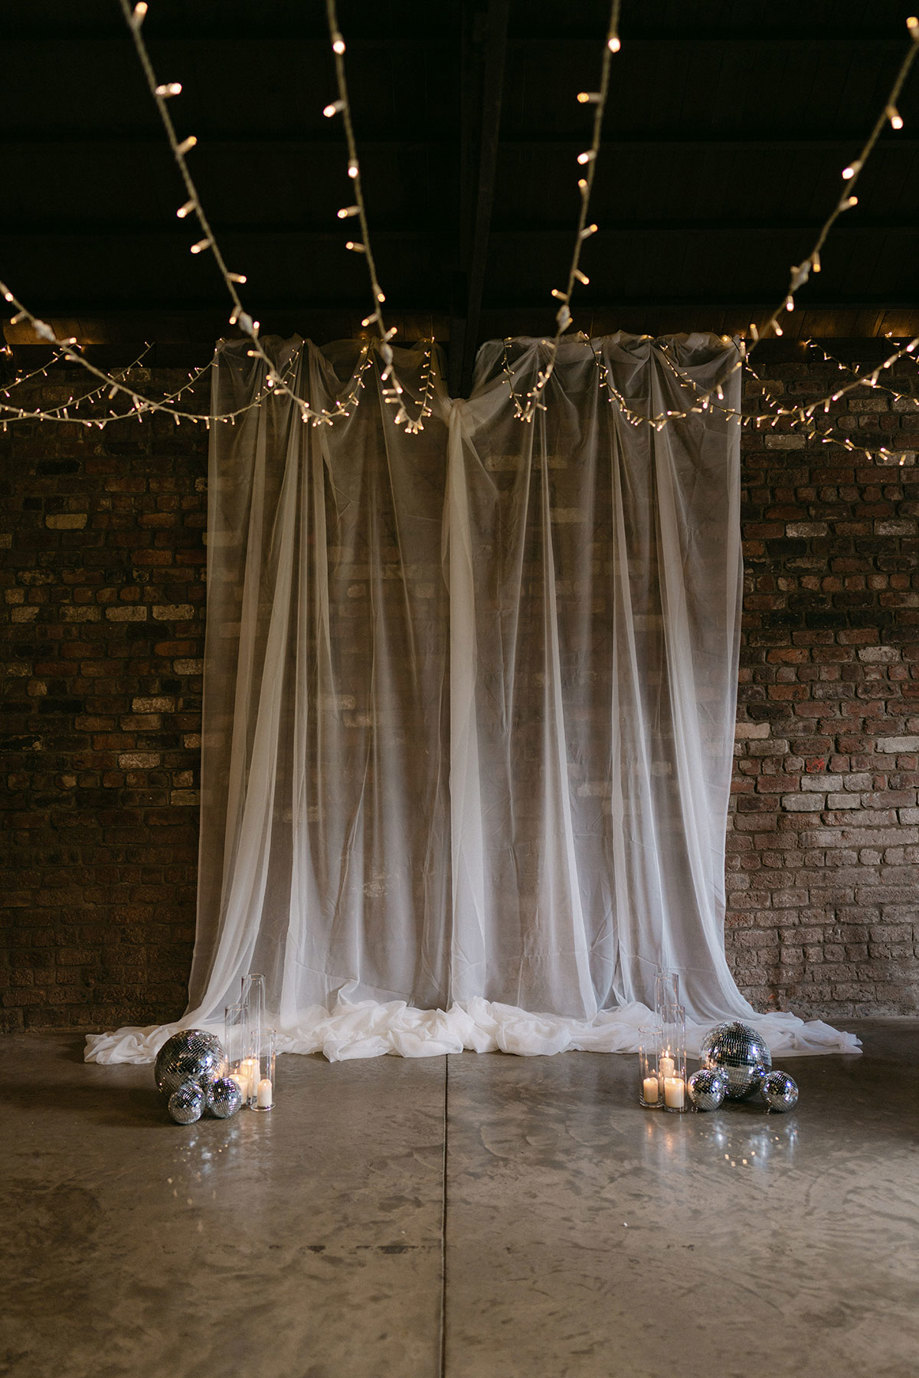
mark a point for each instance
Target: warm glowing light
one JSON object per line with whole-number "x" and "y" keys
{"x": 587, "y": 157}
{"x": 896, "y": 119}
{"x": 613, "y": 43}
{"x": 353, "y": 169}
{"x": 347, "y": 211}
{"x": 333, "y": 108}
{"x": 186, "y": 145}
{"x": 185, "y": 210}
{"x": 170, "y": 88}
{"x": 338, "y": 44}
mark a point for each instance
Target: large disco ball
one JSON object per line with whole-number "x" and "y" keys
{"x": 189, "y": 1055}
{"x": 739, "y": 1051}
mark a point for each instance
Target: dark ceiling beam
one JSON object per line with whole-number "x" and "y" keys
{"x": 67, "y": 140}
{"x": 482, "y": 85}
{"x": 14, "y": 231}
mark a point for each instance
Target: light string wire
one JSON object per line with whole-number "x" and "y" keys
{"x": 392, "y": 386}
{"x": 800, "y": 272}
{"x": 526, "y": 408}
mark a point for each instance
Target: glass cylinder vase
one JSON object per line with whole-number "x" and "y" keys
{"x": 266, "y": 1078}
{"x": 672, "y": 1061}
{"x": 650, "y": 1091}
{"x": 253, "y": 999}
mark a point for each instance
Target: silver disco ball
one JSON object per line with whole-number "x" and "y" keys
{"x": 708, "y": 1088}
{"x": 223, "y": 1097}
{"x": 780, "y": 1091}
{"x": 186, "y": 1104}
{"x": 189, "y": 1055}
{"x": 739, "y": 1051}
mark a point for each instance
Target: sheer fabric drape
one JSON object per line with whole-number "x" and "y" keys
{"x": 469, "y": 703}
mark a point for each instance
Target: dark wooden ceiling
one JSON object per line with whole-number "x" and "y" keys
{"x": 727, "y": 128}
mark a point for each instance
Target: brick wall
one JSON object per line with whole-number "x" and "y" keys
{"x": 823, "y": 901}
{"x": 102, "y": 570}
{"x": 102, "y": 639}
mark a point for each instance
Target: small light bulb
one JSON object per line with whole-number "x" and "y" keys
{"x": 778, "y": 329}
{"x": 559, "y": 296}
{"x": 237, "y": 277}
{"x": 185, "y": 210}
{"x": 588, "y": 230}
{"x": 354, "y": 246}
{"x": 912, "y": 24}
{"x": 613, "y": 43}
{"x": 896, "y": 119}
{"x": 815, "y": 262}
{"x": 201, "y": 245}
{"x": 347, "y": 211}
{"x": 338, "y": 44}
{"x": 186, "y": 145}
{"x": 140, "y": 13}
{"x": 582, "y": 184}
{"x": 581, "y": 277}
{"x": 789, "y": 303}
{"x": 381, "y": 297}
{"x": 588, "y": 97}
{"x": 353, "y": 169}
{"x": 169, "y": 88}
{"x": 333, "y": 108}
{"x": 587, "y": 157}
{"x": 849, "y": 172}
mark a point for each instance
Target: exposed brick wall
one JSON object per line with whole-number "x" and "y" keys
{"x": 101, "y": 654}
{"x": 822, "y": 871}
{"x": 102, "y": 625}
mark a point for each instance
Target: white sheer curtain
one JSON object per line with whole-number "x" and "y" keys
{"x": 469, "y": 704}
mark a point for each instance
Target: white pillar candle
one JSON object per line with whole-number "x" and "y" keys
{"x": 650, "y": 1090}
{"x": 667, "y": 1065}
{"x": 249, "y": 1071}
{"x": 263, "y": 1099}
{"x": 674, "y": 1090}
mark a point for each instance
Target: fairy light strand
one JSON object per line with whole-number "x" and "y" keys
{"x": 800, "y": 272}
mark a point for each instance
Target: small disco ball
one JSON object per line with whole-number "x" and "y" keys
{"x": 223, "y": 1097}
{"x": 780, "y": 1091}
{"x": 189, "y": 1055}
{"x": 707, "y": 1088}
{"x": 737, "y": 1050}
{"x": 186, "y": 1104}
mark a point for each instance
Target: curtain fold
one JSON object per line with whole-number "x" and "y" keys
{"x": 469, "y": 702}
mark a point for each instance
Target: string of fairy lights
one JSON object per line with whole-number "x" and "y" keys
{"x": 126, "y": 398}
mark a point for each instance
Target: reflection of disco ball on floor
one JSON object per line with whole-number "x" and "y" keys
{"x": 739, "y": 1051}
{"x": 189, "y": 1055}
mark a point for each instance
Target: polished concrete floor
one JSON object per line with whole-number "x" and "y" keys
{"x": 470, "y": 1217}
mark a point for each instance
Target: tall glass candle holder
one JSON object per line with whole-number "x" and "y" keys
{"x": 650, "y": 1089}
{"x": 671, "y": 1061}
{"x": 236, "y": 1045}
{"x": 266, "y": 1083}
{"x": 666, "y": 994}
{"x": 253, "y": 998}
